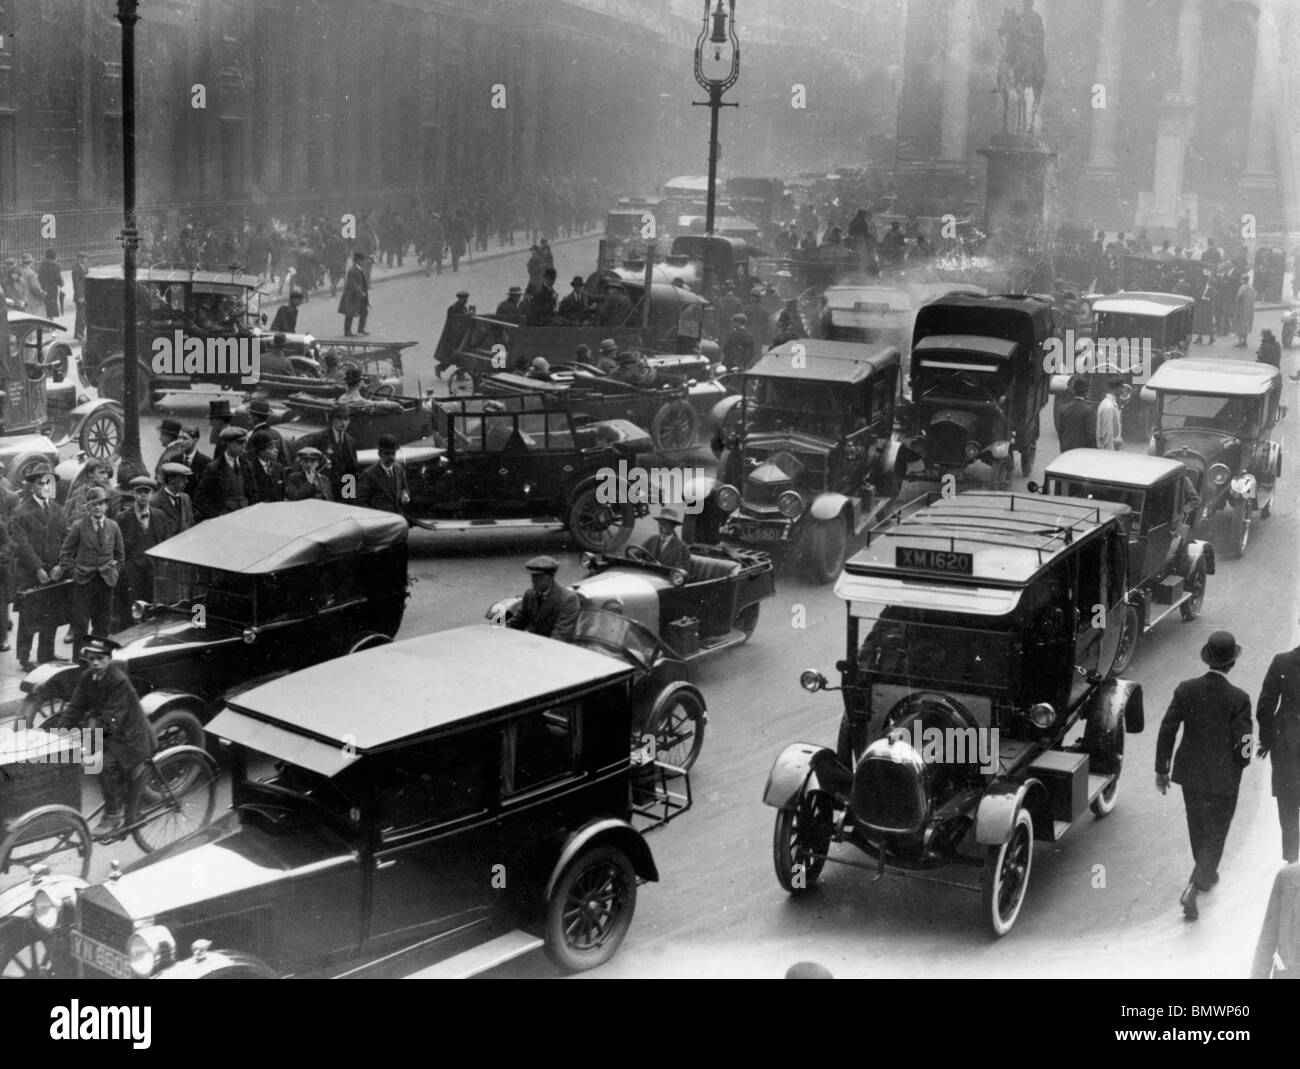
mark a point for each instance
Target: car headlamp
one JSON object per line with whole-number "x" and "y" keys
{"x": 137, "y": 610}
{"x": 1218, "y": 474}
{"x": 83, "y": 399}
{"x": 250, "y": 635}
{"x": 45, "y": 911}
{"x": 678, "y": 577}
{"x": 728, "y": 498}
{"x": 790, "y": 504}
{"x": 1042, "y": 715}
{"x": 149, "y": 947}
{"x": 972, "y": 450}
{"x": 812, "y": 680}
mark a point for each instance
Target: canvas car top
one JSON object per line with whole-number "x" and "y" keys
{"x": 998, "y": 317}
{"x": 146, "y": 274}
{"x": 1141, "y": 303}
{"x": 273, "y": 536}
{"x": 1238, "y": 377}
{"x": 366, "y": 702}
{"x": 993, "y": 348}
{"x": 826, "y": 361}
{"x": 1123, "y": 469}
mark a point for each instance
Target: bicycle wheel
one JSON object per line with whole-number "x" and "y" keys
{"x": 55, "y": 836}
{"x": 172, "y": 796}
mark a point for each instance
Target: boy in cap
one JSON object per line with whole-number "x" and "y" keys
{"x": 171, "y": 503}
{"x": 340, "y": 452}
{"x": 306, "y": 481}
{"x": 38, "y": 526}
{"x": 383, "y": 485}
{"x": 1215, "y": 719}
{"x": 539, "y": 369}
{"x": 225, "y": 483}
{"x": 142, "y": 529}
{"x": 666, "y": 547}
{"x": 547, "y": 609}
{"x": 93, "y": 554}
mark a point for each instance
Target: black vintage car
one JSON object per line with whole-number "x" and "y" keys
{"x": 379, "y": 828}
{"x": 517, "y": 461}
{"x": 263, "y": 591}
{"x": 978, "y": 380}
{"x": 973, "y": 657}
{"x": 807, "y": 456}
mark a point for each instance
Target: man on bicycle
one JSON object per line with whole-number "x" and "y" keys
{"x": 105, "y": 692}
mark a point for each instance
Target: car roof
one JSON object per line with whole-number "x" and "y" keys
{"x": 826, "y": 361}
{"x": 145, "y": 274}
{"x": 996, "y": 316}
{"x": 1010, "y": 536}
{"x": 1190, "y": 375}
{"x": 1142, "y": 303}
{"x": 1107, "y": 466}
{"x": 968, "y": 343}
{"x": 402, "y": 690}
{"x": 845, "y": 297}
{"x": 273, "y": 536}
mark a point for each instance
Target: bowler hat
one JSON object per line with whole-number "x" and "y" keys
{"x": 546, "y": 565}
{"x": 174, "y": 468}
{"x": 1114, "y": 381}
{"x": 539, "y": 363}
{"x": 95, "y": 495}
{"x": 233, "y": 434}
{"x": 38, "y": 472}
{"x": 170, "y": 426}
{"x": 143, "y": 482}
{"x": 577, "y": 280}
{"x": 514, "y": 291}
{"x": 387, "y": 444}
{"x": 352, "y": 375}
{"x": 668, "y": 515}
{"x": 1220, "y": 650}
{"x": 259, "y": 406}
{"x": 101, "y": 645}
{"x": 260, "y": 440}
{"x": 219, "y": 409}
{"x": 608, "y": 344}
{"x": 340, "y": 410}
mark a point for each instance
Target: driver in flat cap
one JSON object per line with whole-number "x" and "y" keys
{"x": 548, "y": 609}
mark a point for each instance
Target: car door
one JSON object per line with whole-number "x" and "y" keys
{"x": 1091, "y": 605}
{"x": 1159, "y": 516}
{"x": 487, "y": 468}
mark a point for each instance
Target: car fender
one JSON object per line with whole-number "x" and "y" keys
{"x": 501, "y": 611}
{"x": 1200, "y": 551}
{"x": 157, "y": 702}
{"x": 699, "y": 489}
{"x": 829, "y": 506}
{"x": 610, "y": 830}
{"x": 1002, "y": 800}
{"x": 16, "y": 901}
{"x": 802, "y": 766}
{"x": 218, "y": 965}
{"x": 719, "y": 412}
{"x": 1243, "y": 487}
{"x": 44, "y": 674}
{"x": 1116, "y": 702}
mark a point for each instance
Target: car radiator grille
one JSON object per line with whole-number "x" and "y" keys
{"x": 248, "y": 930}
{"x": 104, "y": 926}
{"x": 762, "y": 495}
{"x": 888, "y": 796}
{"x": 947, "y": 442}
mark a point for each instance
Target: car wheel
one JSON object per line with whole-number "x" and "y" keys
{"x": 590, "y": 909}
{"x": 367, "y": 640}
{"x": 801, "y": 838}
{"x": 673, "y": 427}
{"x": 24, "y": 952}
{"x": 112, "y": 386}
{"x": 747, "y": 620}
{"x": 1191, "y": 608}
{"x": 45, "y": 703}
{"x": 825, "y": 546}
{"x": 677, "y": 721}
{"x": 461, "y": 383}
{"x": 55, "y": 836}
{"x": 599, "y": 527}
{"x": 1130, "y": 627}
{"x": 1239, "y": 529}
{"x": 1104, "y": 803}
{"x": 1006, "y": 875}
{"x": 101, "y": 434}
{"x": 728, "y": 430}
{"x": 178, "y": 727}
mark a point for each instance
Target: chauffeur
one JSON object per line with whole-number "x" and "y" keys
{"x": 548, "y": 609}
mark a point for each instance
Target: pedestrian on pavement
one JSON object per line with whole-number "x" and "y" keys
{"x": 1243, "y": 311}
{"x": 1278, "y": 713}
{"x": 1216, "y": 746}
{"x": 1078, "y": 418}
{"x": 50, "y": 276}
{"x": 27, "y": 268}
{"x": 1110, "y": 420}
{"x": 93, "y": 554}
{"x": 1277, "y": 954}
{"x": 79, "y": 272}
{"x": 355, "y": 302}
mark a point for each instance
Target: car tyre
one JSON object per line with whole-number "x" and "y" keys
{"x": 590, "y": 910}
{"x": 461, "y": 383}
{"x": 596, "y": 526}
{"x": 826, "y": 544}
{"x": 56, "y": 836}
{"x": 25, "y": 953}
{"x": 178, "y": 726}
{"x": 677, "y": 721}
{"x": 112, "y": 386}
{"x": 1191, "y": 608}
{"x": 1006, "y": 875}
{"x": 101, "y": 434}
{"x": 673, "y": 427}
{"x": 367, "y": 640}
{"x": 1130, "y": 630}
{"x": 1239, "y": 524}
{"x": 44, "y": 704}
{"x": 801, "y": 838}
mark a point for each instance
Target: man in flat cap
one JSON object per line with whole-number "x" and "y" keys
{"x": 510, "y": 308}
{"x": 93, "y": 554}
{"x": 340, "y": 453}
{"x": 383, "y": 485}
{"x": 226, "y": 482}
{"x": 104, "y": 691}
{"x": 547, "y": 609}
{"x": 608, "y": 359}
{"x": 1216, "y": 746}
{"x": 171, "y": 503}
{"x": 38, "y": 526}
{"x": 574, "y": 307}
{"x": 666, "y": 547}
{"x": 306, "y": 481}
{"x": 142, "y": 528}
{"x": 268, "y": 473}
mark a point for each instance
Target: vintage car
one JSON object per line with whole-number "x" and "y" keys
{"x": 1132, "y": 335}
{"x": 879, "y": 314}
{"x": 978, "y": 379}
{"x": 42, "y": 417}
{"x": 379, "y": 828}
{"x": 973, "y": 652}
{"x": 408, "y": 419}
{"x": 808, "y": 460}
{"x": 1167, "y": 566}
{"x": 259, "y": 592}
{"x": 517, "y": 461}
{"x": 1215, "y": 416}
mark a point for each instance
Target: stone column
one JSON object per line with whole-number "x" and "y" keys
{"x": 955, "y": 114}
{"x": 1281, "y": 74}
{"x": 1105, "y": 121}
{"x": 1163, "y": 206}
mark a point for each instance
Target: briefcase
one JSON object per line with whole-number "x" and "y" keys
{"x": 51, "y": 603}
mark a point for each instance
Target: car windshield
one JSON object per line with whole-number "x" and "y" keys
{"x": 293, "y": 785}
{"x": 927, "y": 650}
{"x": 1199, "y": 411}
{"x": 1118, "y": 325}
{"x": 223, "y": 595}
{"x": 1087, "y": 488}
{"x": 959, "y": 378}
{"x": 610, "y": 632}
{"x": 817, "y": 408}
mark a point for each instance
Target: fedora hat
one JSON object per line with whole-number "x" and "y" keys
{"x": 259, "y": 406}
{"x": 668, "y": 515}
{"x": 260, "y": 440}
{"x": 1220, "y": 650}
{"x": 40, "y": 471}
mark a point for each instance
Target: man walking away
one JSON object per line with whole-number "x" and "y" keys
{"x": 50, "y": 276}
{"x": 1278, "y": 713}
{"x": 1216, "y": 746}
{"x": 1078, "y": 418}
{"x": 355, "y": 302}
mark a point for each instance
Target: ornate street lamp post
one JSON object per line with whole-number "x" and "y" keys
{"x": 717, "y": 66}
{"x": 132, "y": 461}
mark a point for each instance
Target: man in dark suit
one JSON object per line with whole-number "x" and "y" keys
{"x": 666, "y": 547}
{"x": 105, "y": 692}
{"x": 339, "y": 451}
{"x": 548, "y": 609}
{"x": 267, "y": 471}
{"x": 1277, "y": 954}
{"x": 1278, "y": 713}
{"x": 1078, "y": 418}
{"x": 79, "y": 271}
{"x": 142, "y": 528}
{"x": 1216, "y": 746}
{"x": 286, "y": 316}
{"x": 38, "y": 527}
{"x": 306, "y": 481}
{"x": 188, "y": 455}
{"x": 259, "y": 419}
{"x": 383, "y": 485}
{"x": 227, "y": 481}
{"x": 354, "y": 303}
{"x": 171, "y": 504}
{"x": 94, "y": 554}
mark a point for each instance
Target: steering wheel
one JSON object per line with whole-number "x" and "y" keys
{"x": 639, "y": 553}
{"x": 384, "y": 389}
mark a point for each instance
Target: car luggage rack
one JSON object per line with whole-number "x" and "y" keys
{"x": 652, "y": 800}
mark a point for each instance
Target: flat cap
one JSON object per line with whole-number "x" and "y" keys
{"x": 462, "y": 293}
{"x": 38, "y": 472}
{"x": 546, "y": 565}
{"x": 310, "y": 452}
{"x": 95, "y": 495}
{"x": 173, "y": 468}
{"x": 143, "y": 482}
{"x": 233, "y": 434}
{"x": 100, "y": 645}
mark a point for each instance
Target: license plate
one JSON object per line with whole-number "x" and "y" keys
{"x": 761, "y": 534}
{"x": 104, "y": 958}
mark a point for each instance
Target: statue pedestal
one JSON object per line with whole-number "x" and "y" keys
{"x": 1018, "y": 208}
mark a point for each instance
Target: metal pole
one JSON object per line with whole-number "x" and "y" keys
{"x": 132, "y": 461}
{"x": 649, "y": 278}
{"x": 715, "y": 104}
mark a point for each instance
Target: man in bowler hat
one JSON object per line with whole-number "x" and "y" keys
{"x": 1278, "y": 713}
{"x": 1216, "y": 746}
{"x": 548, "y": 609}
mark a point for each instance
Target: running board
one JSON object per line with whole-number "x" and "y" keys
{"x": 1096, "y": 784}
{"x": 476, "y": 525}
{"x": 1156, "y": 619}
{"x": 481, "y": 958}
{"x": 735, "y": 637}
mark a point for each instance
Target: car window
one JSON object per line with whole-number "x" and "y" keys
{"x": 1134, "y": 499}
{"x": 540, "y": 747}
{"x": 339, "y": 583}
{"x": 1160, "y": 504}
{"x": 433, "y": 782}
{"x": 1193, "y": 410}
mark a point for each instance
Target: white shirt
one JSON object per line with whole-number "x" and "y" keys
{"x": 1110, "y": 427}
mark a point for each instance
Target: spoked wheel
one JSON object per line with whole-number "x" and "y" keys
{"x": 677, "y": 722}
{"x": 1239, "y": 525}
{"x": 24, "y": 953}
{"x": 597, "y": 526}
{"x": 825, "y": 546}
{"x": 729, "y": 428}
{"x": 172, "y": 797}
{"x": 747, "y": 620}
{"x": 801, "y": 839}
{"x": 461, "y": 383}
{"x": 55, "y": 836}
{"x": 38, "y": 708}
{"x": 1006, "y": 875}
{"x": 1191, "y": 608}
{"x": 111, "y": 385}
{"x": 590, "y": 909}
{"x": 101, "y": 435}
{"x": 1129, "y": 628}
{"x": 673, "y": 427}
